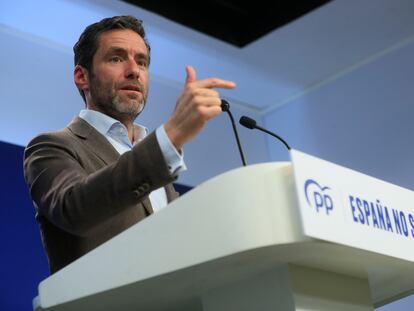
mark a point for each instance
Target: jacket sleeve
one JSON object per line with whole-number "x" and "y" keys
{"x": 77, "y": 202}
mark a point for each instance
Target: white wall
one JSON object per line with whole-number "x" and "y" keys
{"x": 363, "y": 120}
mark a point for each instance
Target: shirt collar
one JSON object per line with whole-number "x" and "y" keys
{"x": 104, "y": 123}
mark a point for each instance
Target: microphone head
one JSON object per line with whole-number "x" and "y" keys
{"x": 247, "y": 122}
{"x": 225, "y": 106}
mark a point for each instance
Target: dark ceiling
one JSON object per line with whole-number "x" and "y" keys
{"x": 235, "y": 22}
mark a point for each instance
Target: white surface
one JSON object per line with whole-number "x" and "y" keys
{"x": 244, "y": 222}
{"x": 291, "y": 288}
{"x": 344, "y": 222}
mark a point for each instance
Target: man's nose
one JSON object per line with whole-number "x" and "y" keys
{"x": 133, "y": 71}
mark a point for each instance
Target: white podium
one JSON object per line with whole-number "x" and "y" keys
{"x": 236, "y": 242}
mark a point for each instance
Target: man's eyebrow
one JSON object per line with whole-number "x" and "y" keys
{"x": 120, "y": 50}
{"x": 115, "y": 50}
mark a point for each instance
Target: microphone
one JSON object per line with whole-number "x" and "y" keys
{"x": 251, "y": 124}
{"x": 225, "y": 106}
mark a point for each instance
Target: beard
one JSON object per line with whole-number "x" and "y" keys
{"x": 122, "y": 107}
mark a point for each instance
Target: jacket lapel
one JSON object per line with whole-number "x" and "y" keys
{"x": 93, "y": 140}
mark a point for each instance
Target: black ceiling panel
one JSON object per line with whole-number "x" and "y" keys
{"x": 235, "y": 22}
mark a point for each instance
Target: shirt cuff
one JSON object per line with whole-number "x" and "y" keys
{"x": 173, "y": 158}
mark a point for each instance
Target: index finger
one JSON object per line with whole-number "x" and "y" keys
{"x": 212, "y": 83}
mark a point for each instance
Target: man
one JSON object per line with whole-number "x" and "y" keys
{"x": 103, "y": 173}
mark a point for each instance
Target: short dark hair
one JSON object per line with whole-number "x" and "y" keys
{"x": 88, "y": 42}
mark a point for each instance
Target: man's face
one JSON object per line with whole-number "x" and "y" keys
{"x": 118, "y": 81}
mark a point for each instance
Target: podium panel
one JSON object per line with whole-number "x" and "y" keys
{"x": 236, "y": 242}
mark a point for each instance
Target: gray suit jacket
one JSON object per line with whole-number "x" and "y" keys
{"x": 85, "y": 193}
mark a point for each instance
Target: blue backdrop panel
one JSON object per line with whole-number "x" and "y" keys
{"x": 23, "y": 262}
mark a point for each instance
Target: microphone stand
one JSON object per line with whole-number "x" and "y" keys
{"x": 225, "y": 106}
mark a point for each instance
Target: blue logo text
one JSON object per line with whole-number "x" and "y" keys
{"x": 318, "y": 197}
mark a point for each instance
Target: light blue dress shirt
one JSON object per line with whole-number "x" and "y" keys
{"x": 117, "y": 135}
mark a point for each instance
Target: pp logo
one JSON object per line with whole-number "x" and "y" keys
{"x": 318, "y": 196}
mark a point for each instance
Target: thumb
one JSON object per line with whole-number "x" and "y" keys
{"x": 191, "y": 74}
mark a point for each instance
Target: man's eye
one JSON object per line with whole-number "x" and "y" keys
{"x": 143, "y": 63}
{"x": 115, "y": 59}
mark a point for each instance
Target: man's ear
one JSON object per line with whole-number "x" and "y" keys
{"x": 81, "y": 78}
